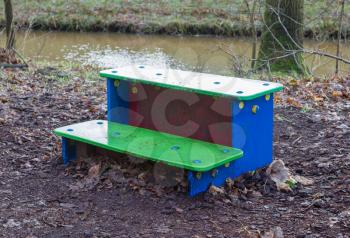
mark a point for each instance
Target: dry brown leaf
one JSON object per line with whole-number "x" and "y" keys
{"x": 293, "y": 82}
{"x": 94, "y": 171}
{"x": 279, "y": 173}
{"x": 318, "y": 99}
{"x": 215, "y": 190}
{"x": 293, "y": 102}
{"x": 283, "y": 187}
{"x": 337, "y": 94}
{"x": 303, "y": 180}
{"x": 273, "y": 233}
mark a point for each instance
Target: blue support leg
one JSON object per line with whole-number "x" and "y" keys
{"x": 118, "y": 101}
{"x": 69, "y": 150}
{"x": 200, "y": 181}
{"x": 252, "y": 132}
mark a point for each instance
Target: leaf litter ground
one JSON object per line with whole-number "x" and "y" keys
{"x": 102, "y": 197}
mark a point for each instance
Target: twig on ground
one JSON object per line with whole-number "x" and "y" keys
{"x": 13, "y": 66}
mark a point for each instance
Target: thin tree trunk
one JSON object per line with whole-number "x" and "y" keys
{"x": 253, "y": 30}
{"x": 339, "y": 35}
{"x": 282, "y": 34}
{"x": 10, "y": 33}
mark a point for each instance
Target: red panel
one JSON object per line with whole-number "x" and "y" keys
{"x": 181, "y": 113}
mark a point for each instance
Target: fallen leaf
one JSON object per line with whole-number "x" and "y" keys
{"x": 318, "y": 99}
{"x": 332, "y": 221}
{"x": 283, "y": 187}
{"x": 215, "y": 190}
{"x": 278, "y": 172}
{"x": 293, "y": 82}
{"x": 94, "y": 171}
{"x": 273, "y": 233}
{"x": 337, "y": 94}
{"x": 179, "y": 210}
{"x": 229, "y": 183}
{"x": 293, "y": 102}
{"x": 11, "y": 223}
{"x": 303, "y": 180}
{"x": 345, "y": 214}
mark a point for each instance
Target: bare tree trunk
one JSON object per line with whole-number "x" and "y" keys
{"x": 282, "y": 37}
{"x": 339, "y": 35}
{"x": 251, "y": 13}
{"x": 10, "y": 32}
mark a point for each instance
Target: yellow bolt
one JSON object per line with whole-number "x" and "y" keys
{"x": 214, "y": 172}
{"x": 255, "y": 108}
{"x": 267, "y": 97}
{"x": 116, "y": 83}
{"x": 134, "y": 89}
{"x": 198, "y": 175}
{"x": 227, "y": 165}
{"x": 241, "y": 105}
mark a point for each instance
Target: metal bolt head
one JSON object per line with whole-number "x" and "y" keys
{"x": 241, "y": 105}
{"x": 116, "y": 83}
{"x": 255, "y": 109}
{"x": 267, "y": 97}
{"x": 134, "y": 90}
{"x": 198, "y": 175}
{"x": 227, "y": 165}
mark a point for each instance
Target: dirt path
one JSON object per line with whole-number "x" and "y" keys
{"x": 41, "y": 198}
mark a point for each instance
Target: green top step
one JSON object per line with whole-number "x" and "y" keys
{"x": 209, "y": 84}
{"x": 174, "y": 150}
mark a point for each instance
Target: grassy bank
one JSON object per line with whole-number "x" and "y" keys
{"x": 162, "y": 17}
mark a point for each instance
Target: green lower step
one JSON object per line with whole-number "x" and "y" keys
{"x": 173, "y": 150}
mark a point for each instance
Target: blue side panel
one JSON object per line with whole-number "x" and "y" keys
{"x": 202, "y": 183}
{"x": 69, "y": 150}
{"x": 118, "y": 101}
{"x": 252, "y": 133}
{"x": 222, "y": 174}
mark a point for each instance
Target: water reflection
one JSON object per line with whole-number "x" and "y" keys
{"x": 191, "y": 53}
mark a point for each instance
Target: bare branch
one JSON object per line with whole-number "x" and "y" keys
{"x": 325, "y": 54}
{"x": 339, "y": 35}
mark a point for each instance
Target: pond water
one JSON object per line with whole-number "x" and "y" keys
{"x": 200, "y": 53}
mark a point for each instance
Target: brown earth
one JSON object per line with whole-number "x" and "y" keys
{"x": 40, "y": 197}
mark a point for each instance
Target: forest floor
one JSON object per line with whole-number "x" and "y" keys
{"x": 165, "y": 17}
{"x": 40, "y": 197}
